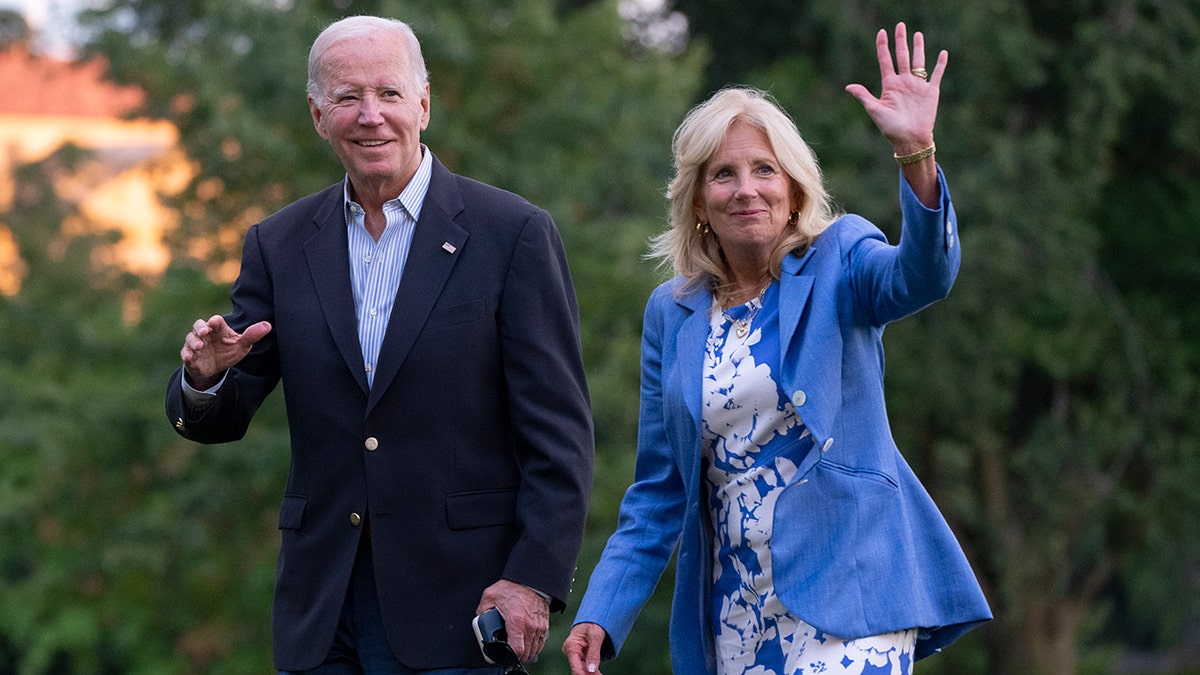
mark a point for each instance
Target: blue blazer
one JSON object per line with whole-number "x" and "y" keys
{"x": 471, "y": 456}
{"x": 858, "y": 547}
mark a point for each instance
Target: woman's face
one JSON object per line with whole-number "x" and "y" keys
{"x": 744, "y": 194}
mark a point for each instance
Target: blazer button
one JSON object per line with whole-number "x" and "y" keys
{"x": 799, "y": 398}
{"x": 371, "y": 444}
{"x": 355, "y": 519}
{"x": 828, "y": 444}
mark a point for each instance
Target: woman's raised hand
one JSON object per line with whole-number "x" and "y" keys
{"x": 907, "y": 105}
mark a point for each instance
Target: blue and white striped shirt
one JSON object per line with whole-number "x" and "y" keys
{"x": 376, "y": 266}
{"x": 375, "y": 270}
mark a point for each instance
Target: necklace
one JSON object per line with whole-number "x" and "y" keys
{"x": 741, "y": 327}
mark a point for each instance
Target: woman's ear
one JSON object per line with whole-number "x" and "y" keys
{"x": 797, "y": 197}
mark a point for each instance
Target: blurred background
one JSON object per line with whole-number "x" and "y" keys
{"x": 1049, "y": 405}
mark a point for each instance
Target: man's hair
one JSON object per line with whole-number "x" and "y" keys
{"x": 358, "y": 27}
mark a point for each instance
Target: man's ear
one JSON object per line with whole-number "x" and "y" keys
{"x": 317, "y": 116}
{"x": 425, "y": 108}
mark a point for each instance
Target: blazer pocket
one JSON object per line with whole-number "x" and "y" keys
{"x": 867, "y": 474}
{"x": 483, "y": 508}
{"x": 455, "y": 314}
{"x": 291, "y": 512}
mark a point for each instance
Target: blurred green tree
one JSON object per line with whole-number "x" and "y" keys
{"x": 1048, "y": 403}
{"x": 125, "y": 549}
{"x": 13, "y": 28}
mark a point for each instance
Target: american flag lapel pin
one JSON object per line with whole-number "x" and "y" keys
{"x": 449, "y": 248}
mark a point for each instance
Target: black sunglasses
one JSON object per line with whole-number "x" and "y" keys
{"x": 501, "y": 653}
{"x": 493, "y": 642}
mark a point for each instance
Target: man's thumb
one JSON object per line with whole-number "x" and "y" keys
{"x": 256, "y": 332}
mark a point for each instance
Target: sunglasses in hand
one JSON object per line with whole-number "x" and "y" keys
{"x": 493, "y": 642}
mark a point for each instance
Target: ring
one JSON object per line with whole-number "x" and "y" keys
{"x": 921, "y": 73}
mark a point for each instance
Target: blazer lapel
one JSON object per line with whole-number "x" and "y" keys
{"x": 329, "y": 265}
{"x": 794, "y": 291}
{"x": 428, "y": 267}
{"x": 690, "y": 342}
{"x": 812, "y": 353}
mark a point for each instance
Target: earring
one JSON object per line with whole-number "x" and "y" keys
{"x": 702, "y": 228}
{"x": 793, "y": 219}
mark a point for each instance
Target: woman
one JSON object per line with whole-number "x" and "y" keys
{"x": 806, "y": 543}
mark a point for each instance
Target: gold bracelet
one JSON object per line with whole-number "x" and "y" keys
{"x": 916, "y": 156}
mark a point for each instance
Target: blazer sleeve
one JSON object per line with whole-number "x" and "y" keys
{"x": 550, "y": 409}
{"x": 652, "y": 511}
{"x": 891, "y": 282}
{"x": 247, "y": 385}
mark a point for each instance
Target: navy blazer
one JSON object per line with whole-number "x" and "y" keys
{"x": 471, "y": 455}
{"x": 858, "y": 548}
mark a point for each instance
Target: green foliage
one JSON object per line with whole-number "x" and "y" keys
{"x": 1048, "y": 404}
{"x": 125, "y": 549}
{"x": 13, "y": 28}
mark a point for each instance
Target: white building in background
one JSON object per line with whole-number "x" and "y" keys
{"x": 133, "y": 162}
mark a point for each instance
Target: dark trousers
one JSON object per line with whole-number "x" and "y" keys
{"x": 360, "y": 646}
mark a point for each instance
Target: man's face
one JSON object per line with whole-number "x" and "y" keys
{"x": 371, "y": 111}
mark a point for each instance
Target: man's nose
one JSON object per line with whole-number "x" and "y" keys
{"x": 369, "y": 111}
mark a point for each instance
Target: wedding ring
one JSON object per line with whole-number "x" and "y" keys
{"x": 920, "y": 72}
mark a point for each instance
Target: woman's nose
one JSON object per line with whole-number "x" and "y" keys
{"x": 744, "y": 188}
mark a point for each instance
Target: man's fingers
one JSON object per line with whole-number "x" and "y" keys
{"x": 256, "y": 332}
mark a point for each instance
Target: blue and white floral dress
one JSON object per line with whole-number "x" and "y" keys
{"x": 753, "y": 441}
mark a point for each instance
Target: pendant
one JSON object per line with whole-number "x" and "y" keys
{"x": 743, "y": 327}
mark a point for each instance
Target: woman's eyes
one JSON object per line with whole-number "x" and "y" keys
{"x": 761, "y": 170}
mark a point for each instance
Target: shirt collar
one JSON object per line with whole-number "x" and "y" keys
{"x": 412, "y": 198}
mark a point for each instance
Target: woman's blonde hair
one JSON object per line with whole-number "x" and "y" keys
{"x": 696, "y": 255}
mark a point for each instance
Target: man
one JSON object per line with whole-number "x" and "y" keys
{"x": 425, "y": 330}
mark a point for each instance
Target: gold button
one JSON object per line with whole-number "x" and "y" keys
{"x": 355, "y": 519}
{"x": 371, "y": 444}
